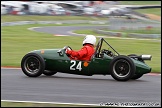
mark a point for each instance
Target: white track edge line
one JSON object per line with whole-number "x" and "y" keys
{"x": 50, "y": 102}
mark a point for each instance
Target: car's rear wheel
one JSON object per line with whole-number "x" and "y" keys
{"x": 136, "y": 75}
{"x": 32, "y": 65}
{"x": 122, "y": 68}
{"x": 49, "y": 73}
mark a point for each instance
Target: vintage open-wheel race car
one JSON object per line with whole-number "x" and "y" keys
{"x": 103, "y": 62}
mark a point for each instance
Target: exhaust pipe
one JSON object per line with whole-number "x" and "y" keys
{"x": 146, "y": 57}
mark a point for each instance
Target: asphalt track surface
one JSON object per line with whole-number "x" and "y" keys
{"x": 69, "y": 88}
{"x": 65, "y": 30}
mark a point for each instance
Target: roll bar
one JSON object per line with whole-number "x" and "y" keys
{"x": 99, "y": 45}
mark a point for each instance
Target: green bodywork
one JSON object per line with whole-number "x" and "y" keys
{"x": 97, "y": 65}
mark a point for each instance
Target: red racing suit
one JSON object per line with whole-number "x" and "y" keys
{"x": 84, "y": 54}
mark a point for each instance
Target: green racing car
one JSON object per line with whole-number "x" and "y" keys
{"x": 105, "y": 61}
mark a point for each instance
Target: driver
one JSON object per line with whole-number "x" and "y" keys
{"x": 85, "y": 53}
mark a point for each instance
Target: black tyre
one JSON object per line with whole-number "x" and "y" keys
{"x": 32, "y": 65}
{"x": 137, "y": 76}
{"x": 49, "y": 73}
{"x": 122, "y": 68}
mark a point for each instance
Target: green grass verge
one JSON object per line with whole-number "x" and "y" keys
{"x": 156, "y": 11}
{"x": 11, "y": 18}
{"x": 16, "y": 41}
{"x": 27, "y": 104}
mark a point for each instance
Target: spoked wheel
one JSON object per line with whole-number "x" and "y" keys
{"x": 122, "y": 68}
{"x": 32, "y": 65}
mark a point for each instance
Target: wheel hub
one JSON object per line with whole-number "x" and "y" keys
{"x": 32, "y": 64}
{"x": 121, "y": 68}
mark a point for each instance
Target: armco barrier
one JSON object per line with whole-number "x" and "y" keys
{"x": 133, "y": 35}
{"x": 53, "y": 22}
{"x": 117, "y": 34}
{"x": 136, "y": 35}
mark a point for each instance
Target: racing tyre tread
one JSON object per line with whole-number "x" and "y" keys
{"x": 49, "y": 73}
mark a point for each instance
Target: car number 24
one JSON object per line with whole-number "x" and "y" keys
{"x": 74, "y": 65}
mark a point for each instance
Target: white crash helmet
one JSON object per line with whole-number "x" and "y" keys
{"x": 91, "y": 39}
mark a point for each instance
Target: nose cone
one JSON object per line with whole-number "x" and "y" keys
{"x": 150, "y": 69}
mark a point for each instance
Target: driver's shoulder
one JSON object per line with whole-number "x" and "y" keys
{"x": 88, "y": 46}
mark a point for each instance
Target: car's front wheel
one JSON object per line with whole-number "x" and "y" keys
{"x": 32, "y": 65}
{"x": 122, "y": 68}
